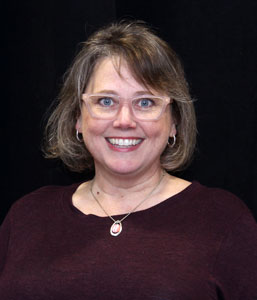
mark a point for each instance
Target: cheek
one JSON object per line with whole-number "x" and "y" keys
{"x": 162, "y": 127}
{"x": 157, "y": 132}
{"x": 91, "y": 132}
{"x": 92, "y": 127}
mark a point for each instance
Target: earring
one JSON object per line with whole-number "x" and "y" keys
{"x": 77, "y": 136}
{"x": 173, "y": 143}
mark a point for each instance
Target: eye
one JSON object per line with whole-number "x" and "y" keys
{"x": 145, "y": 103}
{"x": 106, "y": 101}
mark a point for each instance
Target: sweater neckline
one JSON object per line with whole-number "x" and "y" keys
{"x": 75, "y": 212}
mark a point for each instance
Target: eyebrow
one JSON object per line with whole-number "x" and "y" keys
{"x": 112, "y": 92}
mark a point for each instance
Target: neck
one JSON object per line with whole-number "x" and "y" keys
{"x": 111, "y": 182}
{"x": 123, "y": 192}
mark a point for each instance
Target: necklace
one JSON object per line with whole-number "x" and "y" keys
{"x": 116, "y": 227}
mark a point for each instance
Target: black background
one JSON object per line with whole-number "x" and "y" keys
{"x": 216, "y": 41}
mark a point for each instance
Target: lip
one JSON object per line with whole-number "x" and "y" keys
{"x": 128, "y": 149}
{"x": 125, "y": 137}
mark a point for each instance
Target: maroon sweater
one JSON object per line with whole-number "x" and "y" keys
{"x": 198, "y": 244}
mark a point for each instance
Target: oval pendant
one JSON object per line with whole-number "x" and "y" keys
{"x": 116, "y": 228}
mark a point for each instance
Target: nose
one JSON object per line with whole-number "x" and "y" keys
{"x": 125, "y": 118}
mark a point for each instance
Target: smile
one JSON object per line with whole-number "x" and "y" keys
{"x": 123, "y": 142}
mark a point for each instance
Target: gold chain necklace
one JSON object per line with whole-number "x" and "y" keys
{"x": 116, "y": 227}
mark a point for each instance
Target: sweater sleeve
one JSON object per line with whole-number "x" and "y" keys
{"x": 235, "y": 269}
{"x": 4, "y": 240}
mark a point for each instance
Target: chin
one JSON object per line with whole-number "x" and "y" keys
{"x": 124, "y": 168}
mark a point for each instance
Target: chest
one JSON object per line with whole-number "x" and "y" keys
{"x": 150, "y": 261}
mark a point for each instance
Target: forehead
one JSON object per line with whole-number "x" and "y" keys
{"x": 113, "y": 73}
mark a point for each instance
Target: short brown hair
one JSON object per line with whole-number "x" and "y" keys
{"x": 152, "y": 62}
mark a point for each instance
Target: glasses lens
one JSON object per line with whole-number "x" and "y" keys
{"x": 148, "y": 108}
{"x": 104, "y": 107}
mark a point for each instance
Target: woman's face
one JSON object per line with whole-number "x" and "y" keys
{"x": 145, "y": 140}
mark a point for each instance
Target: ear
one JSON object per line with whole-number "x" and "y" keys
{"x": 173, "y": 130}
{"x": 78, "y": 124}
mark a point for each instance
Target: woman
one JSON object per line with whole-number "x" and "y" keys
{"x": 134, "y": 231}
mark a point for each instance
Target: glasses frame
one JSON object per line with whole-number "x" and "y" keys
{"x": 127, "y": 101}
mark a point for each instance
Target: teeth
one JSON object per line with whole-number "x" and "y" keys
{"x": 124, "y": 142}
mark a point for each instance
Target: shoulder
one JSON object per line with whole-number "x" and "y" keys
{"x": 218, "y": 197}
{"x": 42, "y": 199}
{"x": 218, "y": 205}
{"x": 196, "y": 194}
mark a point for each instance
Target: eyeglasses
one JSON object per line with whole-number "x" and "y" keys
{"x": 107, "y": 107}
